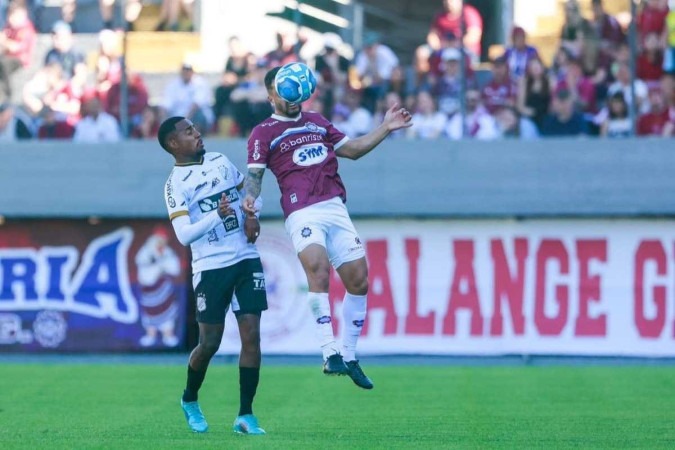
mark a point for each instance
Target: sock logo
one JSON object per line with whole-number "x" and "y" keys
{"x": 323, "y": 319}
{"x": 358, "y": 323}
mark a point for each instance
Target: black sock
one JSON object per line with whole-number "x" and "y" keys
{"x": 248, "y": 384}
{"x": 194, "y": 382}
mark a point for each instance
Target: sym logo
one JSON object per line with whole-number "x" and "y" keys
{"x": 308, "y": 155}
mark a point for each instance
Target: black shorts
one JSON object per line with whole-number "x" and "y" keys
{"x": 213, "y": 293}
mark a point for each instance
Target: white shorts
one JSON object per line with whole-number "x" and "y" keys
{"x": 328, "y": 224}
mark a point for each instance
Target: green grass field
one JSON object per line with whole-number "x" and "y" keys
{"x": 77, "y": 406}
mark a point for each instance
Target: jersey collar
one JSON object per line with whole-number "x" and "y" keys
{"x": 286, "y": 119}
{"x": 196, "y": 163}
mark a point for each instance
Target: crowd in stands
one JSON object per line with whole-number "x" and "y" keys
{"x": 588, "y": 89}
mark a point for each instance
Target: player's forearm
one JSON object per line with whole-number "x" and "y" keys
{"x": 361, "y": 146}
{"x": 253, "y": 183}
{"x": 188, "y": 232}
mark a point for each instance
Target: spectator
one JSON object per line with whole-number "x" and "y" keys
{"x": 519, "y": 54}
{"x": 652, "y": 19}
{"x": 149, "y": 124}
{"x": 54, "y": 127}
{"x": 333, "y": 69}
{"x": 607, "y": 28}
{"x": 250, "y": 100}
{"x": 449, "y": 20}
{"x": 17, "y": 42}
{"x": 189, "y": 95}
{"x": 564, "y": 119}
{"x": 512, "y": 125}
{"x": 286, "y": 51}
{"x": 12, "y": 128}
{"x": 40, "y": 91}
{"x": 448, "y": 89}
{"x": 623, "y": 84}
{"x": 501, "y": 91}
{"x": 654, "y": 122}
{"x": 575, "y": 29}
{"x": 374, "y": 65}
{"x": 108, "y": 61}
{"x": 356, "y": 119}
{"x": 534, "y": 93}
{"x": 63, "y": 51}
{"x": 617, "y": 123}
{"x": 137, "y": 100}
{"x": 170, "y": 13}
{"x": 649, "y": 64}
{"x": 561, "y": 61}
{"x": 132, "y": 9}
{"x": 669, "y": 62}
{"x": 478, "y": 123}
{"x": 239, "y": 63}
{"x": 96, "y": 125}
{"x": 428, "y": 122}
{"x": 580, "y": 87}
{"x": 436, "y": 64}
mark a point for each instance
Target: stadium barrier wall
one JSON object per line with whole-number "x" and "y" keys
{"x": 551, "y": 247}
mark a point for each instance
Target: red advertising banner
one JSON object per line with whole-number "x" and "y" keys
{"x": 70, "y": 285}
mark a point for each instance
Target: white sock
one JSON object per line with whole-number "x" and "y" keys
{"x": 353, "y": 316}
{"x": 320, "y": 306}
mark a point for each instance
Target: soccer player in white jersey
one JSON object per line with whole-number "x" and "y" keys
{"x": 301, "y": 149}
{"x": 203, "y": 195}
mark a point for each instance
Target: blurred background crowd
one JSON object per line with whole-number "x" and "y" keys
{"x": 611, "y": 76}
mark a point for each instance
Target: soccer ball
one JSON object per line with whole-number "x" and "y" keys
{"x": 295, "y": 82}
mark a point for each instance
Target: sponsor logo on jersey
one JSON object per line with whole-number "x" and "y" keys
{"x": 215, "y": 157}
{"x": 312, "y": 127}
{"x": 294, "y": 198}
{"x": 212, "y": 236}
{"x": 215, "y": 182}
{"x": 169, "y": 188}
{"x": 223, "y": 172}
{"x": 258, "y": 281}
{"x": 256, "y": 150}
{"x": 309, "y": 155}
{"x": 231, "y": 223}
{"x": 200, "y": 186}
{"x": 306, "y": 232}
{"x": 187, "y": 176}
{"x": 201, "y": 302}
{"x": 171, "y": 202}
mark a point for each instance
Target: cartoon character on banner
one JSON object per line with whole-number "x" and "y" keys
{"x": 158, "y": 265}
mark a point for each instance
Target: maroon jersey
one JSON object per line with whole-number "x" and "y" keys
{"x": 300, "y": 152}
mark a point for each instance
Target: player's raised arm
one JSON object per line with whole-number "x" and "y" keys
{"x": 253, "y": 186}
{"x": 395, "y": 119}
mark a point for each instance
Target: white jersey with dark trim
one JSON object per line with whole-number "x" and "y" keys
{"x": 195, "y": 190}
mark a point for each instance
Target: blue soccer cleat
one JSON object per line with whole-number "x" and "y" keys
{"x": 247, "y": 424}
{"x": 194, "y": 416}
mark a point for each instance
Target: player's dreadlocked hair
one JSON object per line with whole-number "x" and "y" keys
{"x": 165, "y": 129}
{"x": 269, "y": 77}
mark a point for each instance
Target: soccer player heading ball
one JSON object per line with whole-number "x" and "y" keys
{"x": 301, "y": 149}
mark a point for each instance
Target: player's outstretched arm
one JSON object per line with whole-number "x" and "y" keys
{"x": 253, "y": 186}
{"x": 395, "y": 119}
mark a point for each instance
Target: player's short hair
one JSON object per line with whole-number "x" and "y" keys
{"x": 269, "y": 77}
{"x": 165, "y": 129}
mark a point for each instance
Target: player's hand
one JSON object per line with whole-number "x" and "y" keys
{"x": 224, "y": 208}
{"x": 397, "y": 118}
{"x": 249, "y": 205}
{"x": 251, "y": 228}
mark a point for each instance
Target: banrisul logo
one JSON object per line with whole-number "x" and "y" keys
{"x": 211, "y": 202}
{"x": 311, "y": 154}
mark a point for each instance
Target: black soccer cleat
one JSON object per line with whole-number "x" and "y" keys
{"x": 356, "y": 374}
{"x": 335, "y": 365}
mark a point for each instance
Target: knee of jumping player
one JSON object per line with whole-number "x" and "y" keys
{"x": 358, "y": 285}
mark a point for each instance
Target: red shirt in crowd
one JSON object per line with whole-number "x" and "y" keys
{"x": 651, "y": 124}
{"x": 445, "y": 22}
{"x": 26, "y": 37}
{"x": 651, "y": 20}
{"x": 649, "y": 69}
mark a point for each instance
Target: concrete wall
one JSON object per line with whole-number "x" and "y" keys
{"x": 547, "y": 178}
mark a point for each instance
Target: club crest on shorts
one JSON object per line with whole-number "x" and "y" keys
{"x": 201, "y": 302}
{"x": 306, "y": 232}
